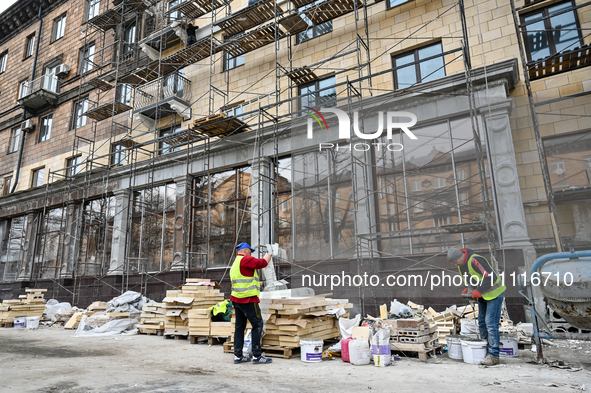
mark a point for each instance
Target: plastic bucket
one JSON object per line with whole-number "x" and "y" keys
{"x": 469, "y": 327}
{"x": 508, "y": 346}
{"x": 473, "y": 351}
{"x": 454, "y": 346}
{"x": 32, "y": 322}
{"x": 311, "y": 350}
{"x": 20, "y": 322}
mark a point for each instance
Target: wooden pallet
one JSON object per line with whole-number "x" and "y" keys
{"x": 107, "y": 110}
{"x": 270, "y": 351}
{"x": 423, "y": 355}
{"x": 210, "y": 340}
{"x": 248, "y": 17}
{"x": 250, "y": 41}
{"x": 558, "y": 63}
{"x": 157, "y": 332}
{"x": 7, "y": 324}
{"x": 219, "y": 125}
{"x": 330, "y": 9}
{"x": 176, "y": 336}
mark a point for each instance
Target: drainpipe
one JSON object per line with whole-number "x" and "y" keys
{"x": 22, "y": 146}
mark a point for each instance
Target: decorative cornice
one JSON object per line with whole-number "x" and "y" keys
{"x": 22, "y": 14}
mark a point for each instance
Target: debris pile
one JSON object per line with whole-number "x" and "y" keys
{"x": 32, "y": 304}
{"x": 152, "y": 318}
{"x": 76, "y": 317}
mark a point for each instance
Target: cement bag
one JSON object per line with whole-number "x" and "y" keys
{"x": 53, "y": 308}
{"x": 247, "y": 348}
{"x": 346, "y": 327}
{"x": 380, "y": 348}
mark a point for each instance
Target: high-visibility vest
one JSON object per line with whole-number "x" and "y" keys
{"x": 243, "y": 286}
{"x": 497, "y": 289}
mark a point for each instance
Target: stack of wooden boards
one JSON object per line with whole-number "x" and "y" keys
{"x": 196, "y": 293}
{"x": 415, "y": 335}
{"x": 32, "y": 304}
{"x": 152, "y": 319}
{"x": 76, "y": 317}
{"x": 288, "y": 320}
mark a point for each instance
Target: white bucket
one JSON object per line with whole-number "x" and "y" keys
{"x": 508, "y": 346}
{"x": 454, "y": 346}
{"x": 469, "y": 327}
{"x": 473, "y": 351}
{"x": 32, "y": 322}
{"x": 20, "y": 322}
{"x": 311, "y": 350}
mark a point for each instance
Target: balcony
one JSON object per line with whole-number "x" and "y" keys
{"x": 40, "y": 93}
{"x": 163, "y": 97}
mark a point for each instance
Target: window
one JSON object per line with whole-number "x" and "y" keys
{"x": 587, "y": 161}
{"x": 30, "y": 46}
{"x": 79, "y": 117}
{"x": 119, "y": 154}
{"x": 248, "y": 106}
{"x": 165, "y": 147}
{"x": 86, "y": 59}
{"x": 6, "y": 184}
{"x": 464, "y": 198}
{"x": 3, "y": 61}
{"x": 441, "y": 221}
{"x": 45, "y": 128}
{"x": 439, "y": 182}
{"x": 312, "y": 30}
{"x": 129, "y": 38}
{"x": 394, "y": 3}
{"x": 124, "y": 93}
{"x": 424, "y": 64}
{"x": 73, "y": 166}
{"x": 233, "y": 62}
{"x": 23, "y": 89}
{"x": 557, "y": 166}
{"x": 551, "y": 30}
{"x": 175, "y": 15}
{"x": 321, "y": 93}
{"x": 59, "y": 28}
{"x": 38, "y": 176}
{"x": 15, "y": 138}
{"x": 416, "y": 185}
{"x": 461, "y": 175}
{"x": 92, "y": 8}
{"x": 418, "y": 207}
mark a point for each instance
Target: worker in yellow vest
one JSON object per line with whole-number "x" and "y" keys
{"x": 489, "y": 290}
{"x": 246, "y": 289}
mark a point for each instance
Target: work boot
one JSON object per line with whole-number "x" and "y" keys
{"x": 489, "y": 361}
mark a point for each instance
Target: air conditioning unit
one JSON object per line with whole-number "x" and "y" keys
{"x": 27, "y": 125}
{"x": 62, "y": 70}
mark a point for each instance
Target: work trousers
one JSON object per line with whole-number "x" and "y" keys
{"x": 252, "y": 313}
{"x": 489, "y": 316}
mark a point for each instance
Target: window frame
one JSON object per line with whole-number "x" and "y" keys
{"x": 389, "y": 5}
{"x": 75, "y": 117}
{"x": 29, "y": 46}
{"x": 44, "y": 133}
{"x": 118, "y": 154}
{"x": 11, "y": 142}
{"x": 3, "y": 61}
{"x": 86, "y": 65}
{"x": 548, "y": 28}
{"x": 75, "y": 163}
{"x": 35, "y": 177}
{"x": 416, "y": 63}
{"x": 22, "y": 86}
{"x": 123, "y": 93}
{"x": 165, "y": 148}
{"x": 234, "y": 60}
{"x": 316, "y": 95}
{"x": 61, "y": 22}
{"x": 129, "y": 45}
{"x": 95, "y": 5}
{"x": 6, "y": 185}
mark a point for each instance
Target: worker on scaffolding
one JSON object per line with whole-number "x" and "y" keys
{"x": 246, "y": 289}
{"x": 490, "y": 293}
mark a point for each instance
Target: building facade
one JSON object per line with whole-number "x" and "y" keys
{"x": 144, "y": 139}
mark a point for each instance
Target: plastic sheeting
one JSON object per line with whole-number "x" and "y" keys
{"x": 53, "y": 308}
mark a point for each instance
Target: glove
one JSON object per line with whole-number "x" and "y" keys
{"x": 269, "y": 249}
{"x": 273, "y": 249}
{"x": 465, "y": 291}
{"x": 476, "y": 294}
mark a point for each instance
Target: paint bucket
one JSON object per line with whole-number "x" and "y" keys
{"x": 473, "y": 351}
{"x": 32, "y": 322}
{"x": 454, "y": 345}
{"x": 20, "y": 322}
{"x": 469, "y": 327}
{"x": 311, "y": 350}
{"x": 508, "y": 345}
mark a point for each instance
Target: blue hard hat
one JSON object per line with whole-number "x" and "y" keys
{"x": 242, "y": 246}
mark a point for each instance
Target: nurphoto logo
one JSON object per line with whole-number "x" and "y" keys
{"x": 393, "y": 122}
